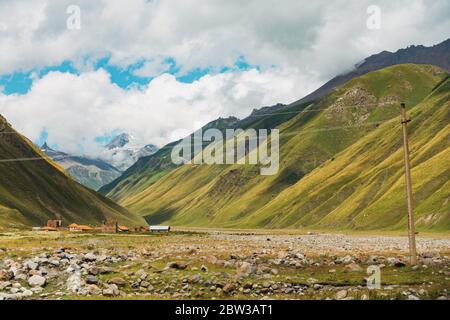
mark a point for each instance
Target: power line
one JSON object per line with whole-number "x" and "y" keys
{"x": 257, "y": 115}
{"x": 35, "y": 158}
{"x": 171, "y": 147}
{"x": 321, "y": 109}
{"x": 287, "y": 112}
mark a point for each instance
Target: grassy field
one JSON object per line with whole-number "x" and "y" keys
{"x": 285, "y": 265}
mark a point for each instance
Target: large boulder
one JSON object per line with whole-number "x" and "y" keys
{"x": 36, "y": 281}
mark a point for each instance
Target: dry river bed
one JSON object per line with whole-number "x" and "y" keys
{"x": 220, "y": 265}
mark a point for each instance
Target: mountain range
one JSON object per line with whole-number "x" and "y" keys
{"x": 341, "y": 164}
{"x": 122, "y": 151}
{"x": 92, "y": 173}
{"x": 34, "y": 189}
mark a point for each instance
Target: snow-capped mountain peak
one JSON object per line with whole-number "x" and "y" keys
{"x": 124, "y": 150}
{"x": 120, "y": 141}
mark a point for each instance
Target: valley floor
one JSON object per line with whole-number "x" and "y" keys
{"x": 216, "y": 264}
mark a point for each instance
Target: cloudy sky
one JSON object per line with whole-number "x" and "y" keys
{"x": 160, "y": 68}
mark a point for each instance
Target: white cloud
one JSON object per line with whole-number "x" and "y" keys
{"x": 307, "y": 41}
{"x": 77, "y": 109}
{"x": 322, "y": 36}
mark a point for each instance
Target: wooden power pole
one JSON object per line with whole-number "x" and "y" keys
{"x": 409, "y": 195}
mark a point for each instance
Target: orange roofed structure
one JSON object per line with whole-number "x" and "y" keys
{"x": 77, "y": 227}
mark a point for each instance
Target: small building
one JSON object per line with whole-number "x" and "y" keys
{"x": 48, "y": 229}
{"x": 123, "y": 229}
{"x": 85, "y": 228}
{"x": 159, "y": 228}
{"x": 111, "y": 226}
{"x": 73, "y": 227}
{"x": 79, "y": 228}
{"x": 140, "y": 229}
{"x": 54, "y": 224}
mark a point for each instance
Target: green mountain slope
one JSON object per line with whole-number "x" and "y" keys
{"x": 149, "y": 169}
{"x": 315, "y": 138}
{"x": 364, "y": 187}
{"x": 34, "y": 189}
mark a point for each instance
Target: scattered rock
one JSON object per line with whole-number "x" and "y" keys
{"x": 73, "y": 283}
{"x": 195, "y": 278}
{"x": 211, "y": 259}
{"x": 111, "y": 291}
{"x": 353, "y": 267}
{"x": 93, "y": 270}
{"x": 90, "y": 257}
{"x": 6, "y": 275}
{"x": 4, "y": 285}
{"x": 246, "y": 268}
{"x": 229, "y": 287}
{"x": 91, "y": 279}
{"x": 179, "y": 265}
{"x": 104, "y": 270}
{"x": 31, "y": 265}
{"x": 92, "y": 290}
{"x": 120, "y": 282}
{"x": 372, "y": 260}
{"x": 396, "y": 262}
{"x": 55, "y": 263}
{"x": 341, "y": 294}
{"x": 317, "y": 286}
{"x": 36, "y": 281}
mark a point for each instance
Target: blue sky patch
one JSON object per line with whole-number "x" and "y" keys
{"x": 65, "y": 67}
{"x": 123, "y": 77}
{"x": 20, "y": 82}
{"x": 194, "y": 75}
{"x": 43, "y": 136}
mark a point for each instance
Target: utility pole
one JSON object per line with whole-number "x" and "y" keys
{"x": 411, "y": 230}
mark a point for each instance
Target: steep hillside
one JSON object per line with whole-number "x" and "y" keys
{"x": 315, "y": 136}
{"x": 34, "y": 189}
{"x": 364, "y": 186}
{"x": 135, "y": 180}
